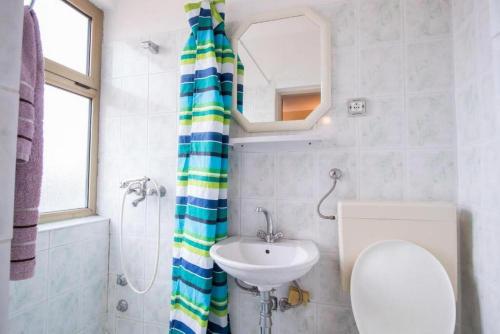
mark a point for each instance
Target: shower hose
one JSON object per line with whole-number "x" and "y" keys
{"x": 122, "y": 258}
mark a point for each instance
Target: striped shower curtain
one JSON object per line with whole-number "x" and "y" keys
{"x": 199, "y": 300}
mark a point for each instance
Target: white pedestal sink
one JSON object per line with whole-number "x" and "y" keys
{"x": 265, "y": 265}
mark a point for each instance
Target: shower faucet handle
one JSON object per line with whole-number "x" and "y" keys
{"x": 126, "y": 183}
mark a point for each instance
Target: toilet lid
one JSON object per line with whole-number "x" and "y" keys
{"x": 398, "y": 287}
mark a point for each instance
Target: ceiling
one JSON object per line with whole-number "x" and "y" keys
{"x": 166, "y": 15}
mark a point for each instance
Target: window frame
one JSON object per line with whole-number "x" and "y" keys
{"x": 68, "y": 79}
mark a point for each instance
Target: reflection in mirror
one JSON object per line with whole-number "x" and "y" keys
{"x": 282, "y": 69}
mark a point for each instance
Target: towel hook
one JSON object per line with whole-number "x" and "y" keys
{"x": 335, "y": 175}
{"x": 32, "y": 4}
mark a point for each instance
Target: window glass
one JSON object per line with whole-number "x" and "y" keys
{"x": 66, "y": 39}
{"x": 66, "y": 150}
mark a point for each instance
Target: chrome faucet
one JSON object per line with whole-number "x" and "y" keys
{"x": 140, "y": 188}
{"x": 268, "y": 236}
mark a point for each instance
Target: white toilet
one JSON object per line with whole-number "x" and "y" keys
{"x": 400, "y": 261}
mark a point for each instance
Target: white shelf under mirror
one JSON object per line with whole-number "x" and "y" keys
{"x": 275, "y": 142}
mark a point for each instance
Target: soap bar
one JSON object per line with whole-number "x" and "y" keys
{"x": 294, "y": 297}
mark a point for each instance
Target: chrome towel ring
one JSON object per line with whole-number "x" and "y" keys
{"x": 335, "y": 175}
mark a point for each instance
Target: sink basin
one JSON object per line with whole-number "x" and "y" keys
{"x": 262, "y": 264}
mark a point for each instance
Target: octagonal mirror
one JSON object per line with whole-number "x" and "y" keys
{"x": 283, "y": 79}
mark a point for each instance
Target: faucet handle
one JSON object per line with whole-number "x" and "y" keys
{"x": 261, "y": 234}
{"x": 278, "y": 235}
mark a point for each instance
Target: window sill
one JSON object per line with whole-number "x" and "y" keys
{"x": 61, "y": 224}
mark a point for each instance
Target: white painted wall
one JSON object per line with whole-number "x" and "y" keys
{"x": 11, "y": 20}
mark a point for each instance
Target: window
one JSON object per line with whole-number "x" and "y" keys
{"x": 71, "y": 33}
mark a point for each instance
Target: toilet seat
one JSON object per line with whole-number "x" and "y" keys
{"x": 398, "y": 287}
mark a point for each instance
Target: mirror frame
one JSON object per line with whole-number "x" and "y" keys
{"x": 325, "y": 69}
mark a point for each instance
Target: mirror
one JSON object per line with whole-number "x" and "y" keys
{"x": 284, "y": 71}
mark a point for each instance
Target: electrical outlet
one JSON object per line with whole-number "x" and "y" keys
{"x": 356, "y": 107}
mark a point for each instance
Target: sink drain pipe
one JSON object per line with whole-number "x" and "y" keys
{"x": 269, "y": 303}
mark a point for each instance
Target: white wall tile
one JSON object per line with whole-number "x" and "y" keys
{"x": 296, "y": 219}
{"x": 234, "y": 217}
{"x": 327, "y": 288}
{"x": 335, "y": 320}
{"x": 124, "y": 326}
{"x": 131, "y": 143}
{"x": 342, "y": 17}
{"x": 111, "y": 103}
{"x": 63, "y": 313}
{"x": 382, "y": 175}
{"x": 155, "y": 329}
{"x": 295, "y": 175}
{"x": 327, "y": 234}
{"x": 429, "y": 66}
{"x": 31, "y": 291}
{"x": 431, "y": 120}
{"x": 432, "y": 175}
{"x": 464, "y": 53}
{"x": 92, "y": 299}
{"x": 298, "y": 320}
{"x": 31, "y": 321}
{"x": 380, "y": 21}
{"x": 94, "y": 259}
{"x": 64, "y": 273}
{"x": 163, "y": 92}
{"x": 162, "y": 134}
{"x": 383, "y": 125}
{"x": 337, "y": 127}
{"x": 344, "y": 71}
{"x": 427, "y": 18}
{"x": 468, "y": 120}
{"x": 133, "y": 97}
{"x": 42, "y": 241}
{"x": 164, "y": 274}
{"x": 73, "y": 266}
{"x": 248, "y": 317}
{"x": 381, "y": 70}
{"x": 234, "y": 172}
{"x": 129, "y": 58}
{"x": 168, "y": 57}
{"x": 257, "y": 179}
{"x": 483, "y": 40}
{"x": 488, "y": 107}
{"x": 157, "y": 303}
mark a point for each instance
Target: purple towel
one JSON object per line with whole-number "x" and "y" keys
{"x": 29, "y": 152}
